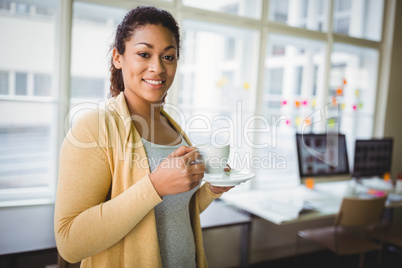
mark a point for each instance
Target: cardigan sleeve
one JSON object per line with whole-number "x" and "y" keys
{"x": 85, "y": 223}
{"x": 205, "y": 196}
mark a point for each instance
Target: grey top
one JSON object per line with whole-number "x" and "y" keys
{"x": 175, "y": 234}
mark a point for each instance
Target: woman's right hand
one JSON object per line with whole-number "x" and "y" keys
{"x": 179, "y": 172}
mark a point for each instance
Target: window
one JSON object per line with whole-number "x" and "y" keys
{"x": 309, "y": 14}
{"x": 245, "y": 8}
{"x": 84, "y": 87}
{"x": 362, "y": 19}
{"x": 292, "y": 79}
{"x": 299, "y": 77}
{"x": 4, "y": 83}
{"x": 92, "y": 35}
{"x": 279, "y": 11}
{"x": 22, "y": 9}
{"x": 238, "y": 71}
{"x": 21, "y": 84}
{"x": 186, "y": 94}
{"x": 342, "y": 5}
{"x": 230, "y": 50}
{"x": 28, "y": 136}
{"x": 353, "y": 83}
{"x": 275, "y": 78}
{"x": 217, "y": 82}
{"x": 42, "y": 85}
{"x": 230, "y": 74}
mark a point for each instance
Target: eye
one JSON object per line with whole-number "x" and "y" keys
{"x": 143, "y": 55}
{"x": 169, "y": 58}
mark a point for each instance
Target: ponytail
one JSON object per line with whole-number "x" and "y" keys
{"x": 116, "y": 80}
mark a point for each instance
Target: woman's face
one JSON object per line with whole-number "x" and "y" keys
{"x": 149, "y": 63}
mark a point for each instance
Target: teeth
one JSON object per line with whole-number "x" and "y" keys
{"x": 153, "y": 82}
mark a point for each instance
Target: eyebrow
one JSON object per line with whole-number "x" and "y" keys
{"x": 151, "y": 46}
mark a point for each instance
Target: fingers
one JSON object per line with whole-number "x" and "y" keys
{"x": 194, "y": 184}
{"x": 196, "y": 168}
{"x": 218, "y": 189}
{"x": 192, "y": 157}
{"x": 196, "y": 179}
{"x": 224, "y": 189}
{"x": 189, "y": 155}
{"x": 181, "y": 151}
{"x": 198, "y": 176}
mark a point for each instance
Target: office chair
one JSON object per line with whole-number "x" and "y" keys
{"x": 348, "y": 234}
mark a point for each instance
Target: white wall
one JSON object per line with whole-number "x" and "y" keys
{"x": 26, "y": 228}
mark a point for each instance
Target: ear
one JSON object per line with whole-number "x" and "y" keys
{"x": 116, "y": 59}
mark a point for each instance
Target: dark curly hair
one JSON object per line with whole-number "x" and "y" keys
{"x": 133, "y": 20}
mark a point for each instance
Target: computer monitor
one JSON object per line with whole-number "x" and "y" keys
{"x": 322, "y": 155}
{"x": 372, "y": 157}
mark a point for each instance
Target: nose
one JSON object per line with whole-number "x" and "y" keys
{"x": 156, "y": 65}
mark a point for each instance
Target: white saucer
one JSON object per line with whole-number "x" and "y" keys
{"x": 231, "y": 178}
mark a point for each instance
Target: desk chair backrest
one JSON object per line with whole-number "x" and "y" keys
{"x": 360, "y": 212}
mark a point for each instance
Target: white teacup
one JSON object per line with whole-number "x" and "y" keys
{"x": 215, "y": 157}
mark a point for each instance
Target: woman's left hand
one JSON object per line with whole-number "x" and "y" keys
{"x": 220, "y": 190}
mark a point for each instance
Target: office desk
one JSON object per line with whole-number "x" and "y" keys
{"x": 286, "y": 206}
{"x": 219, "y": 214}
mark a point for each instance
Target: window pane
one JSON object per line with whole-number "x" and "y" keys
{"x": 22, "y": 9}
{"x": 216, "y": 78}
{"x": 309, "y": 14}
{"x": 292, "y": 76}
{"x": 353, "y": 83}
{"x": 84, "y": 87}
{"x": 244, "y": 8}
{"x": 42, "y": 84}
{"x": 21, "y": 83}
{"x": 27, "y": 136}
{"x": 217, "y": 75}
{"x": 25, "y": 144}
{"x": 362, "y": 19}
{"x": 92, "y": 34}
{"x": 4, "y": 82}
{"x": 275, "y": 78}
{"x": 27, "y": 57}
{"x": 294, "y": 70}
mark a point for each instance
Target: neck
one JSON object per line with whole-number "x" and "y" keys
{"x": 144, "y": 109}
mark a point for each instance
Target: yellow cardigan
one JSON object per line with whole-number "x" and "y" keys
{"x": 104, "y": 211}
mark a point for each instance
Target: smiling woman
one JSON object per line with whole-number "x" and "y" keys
{"x": 135, "y": 203}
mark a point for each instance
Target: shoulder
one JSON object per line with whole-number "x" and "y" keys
{"x": 97, "y": 114}
{"x": 94, "y": 119}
